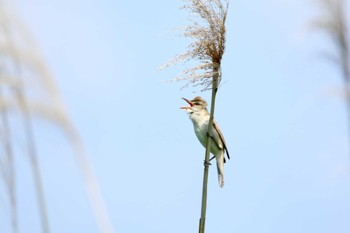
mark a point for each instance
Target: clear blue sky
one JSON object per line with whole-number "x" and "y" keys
{"x": 284, "y": 124}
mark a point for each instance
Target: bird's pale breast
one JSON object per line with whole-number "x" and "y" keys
{"x": 200, "y": 125}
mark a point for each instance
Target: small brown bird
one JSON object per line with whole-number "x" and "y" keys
{"x": 199, "y": 115}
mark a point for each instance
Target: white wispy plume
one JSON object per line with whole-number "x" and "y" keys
{"x": 28, "y": 87}
{"x": 208, "y": 33}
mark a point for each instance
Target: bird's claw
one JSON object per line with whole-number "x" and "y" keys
{"x": 207, "y": 163}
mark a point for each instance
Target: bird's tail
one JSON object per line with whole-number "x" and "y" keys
{"x": 220, "y": 167}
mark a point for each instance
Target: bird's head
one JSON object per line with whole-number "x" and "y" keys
{"x": 197, "y": 104}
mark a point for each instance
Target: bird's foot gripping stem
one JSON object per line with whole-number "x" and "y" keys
{"x": 207, "y": 163}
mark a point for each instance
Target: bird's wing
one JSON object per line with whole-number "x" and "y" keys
{"x": 222, "y": 143}
{"x": 216, "y": 137}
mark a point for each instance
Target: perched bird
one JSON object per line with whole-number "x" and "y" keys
{"x": 199, "y": 115}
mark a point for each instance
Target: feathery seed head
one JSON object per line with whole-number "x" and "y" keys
{"x": 209, "y": 35}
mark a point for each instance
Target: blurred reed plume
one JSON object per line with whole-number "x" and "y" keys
{"x": 27, "y": 89}
{"x": 334, "y": 22}
{"x": 208, "y": 32}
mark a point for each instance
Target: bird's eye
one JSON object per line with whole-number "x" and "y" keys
{"x": 196, "y": 103}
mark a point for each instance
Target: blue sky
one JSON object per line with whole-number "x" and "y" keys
{"x": 278, "y": 107}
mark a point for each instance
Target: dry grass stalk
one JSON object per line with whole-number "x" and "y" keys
{"x": 33, "y": 92}
{"x": 208, "y": 32}
{"x": 18, "y": 92}
{"x": 8, "y": 168}
{"x": 334, "y": 23}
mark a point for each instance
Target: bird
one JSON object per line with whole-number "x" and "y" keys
{"x": 199, "y": 115}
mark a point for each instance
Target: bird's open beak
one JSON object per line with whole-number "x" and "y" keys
{"x": 187, "y": 107}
